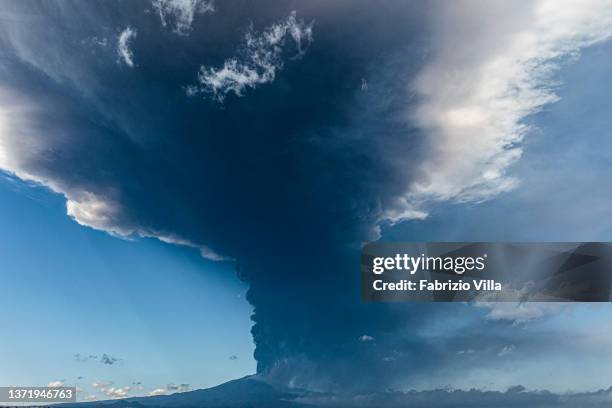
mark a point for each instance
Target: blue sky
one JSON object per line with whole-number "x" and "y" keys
{"x": 169, "y": 316}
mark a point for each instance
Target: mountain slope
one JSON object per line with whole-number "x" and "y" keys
{"x": 242, "y": 393}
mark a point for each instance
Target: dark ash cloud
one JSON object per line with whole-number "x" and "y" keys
{"x": 288, "y": 179}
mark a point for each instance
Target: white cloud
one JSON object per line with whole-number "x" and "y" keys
{"x": 92, "y": 210}
{"x": 101, "y": 384}
{"x": 113, "y": 392}
{"x": 208, "y": 253}
{"x": 205, "y": 251}
{"x": 56, "y": 384}
{"x": 519, "y": 313}
{"x": 493, "y": 65}
{"x": 507, "y": 350}
{"x": 261, "y": 60}
{"x": 123, "y": 46}
{"x": 366, "y": 338}
{"x": 364, "y": 84}
{"x": 96, "y": 41}
{"x": 180, "y": 13}
{"x": 158, "y": 391}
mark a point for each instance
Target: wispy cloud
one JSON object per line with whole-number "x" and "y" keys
{"x": 261, "y": 58}
{"x": 507, "y": 350}
{"x": 123, "y": 46}
{"x": 493, "y": 66}
{"x": 468, "y": 351}
{"x": 82, "y": 358}
{"x": 205, "y": 251}
{"x": 101, "y": 384}
{"x": 519, "y": 313}
{"x": 95, "y": 41}
{"x": 179, "y": 14}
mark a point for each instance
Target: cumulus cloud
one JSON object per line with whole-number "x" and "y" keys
{"x": 123, "y": 46}
{"x": 491, "y": 70}
{"x": 97, "y": 212}
{"x": 262, "y": 57}
{"x": 365, "y": 338}
{"x": 179, "y": 14}
{"x": 119, "y": 392}
{"x": 158, "y": 391}
{"x": 106, "y": 387}
{"x": 55, "y": 384}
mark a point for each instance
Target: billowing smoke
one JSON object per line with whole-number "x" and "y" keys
{"x": 288, "y": 174}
